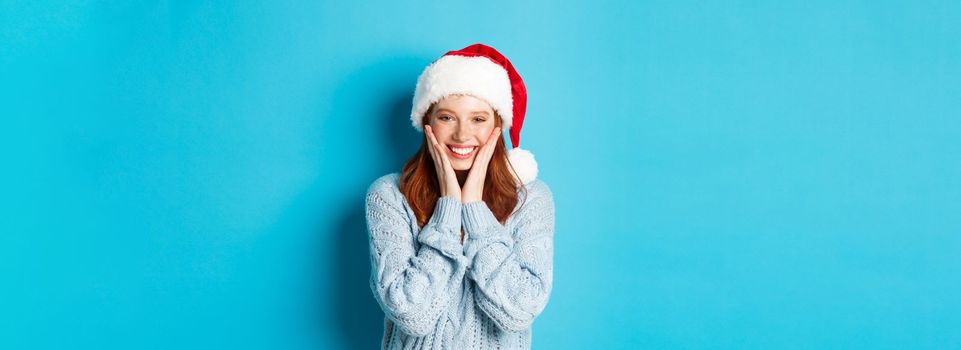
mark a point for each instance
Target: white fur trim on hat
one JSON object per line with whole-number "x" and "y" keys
{"x": 524, "y": 165}
{"x": 453, "y": 74}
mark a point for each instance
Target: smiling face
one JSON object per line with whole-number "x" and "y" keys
{"x": 462, "y": 123}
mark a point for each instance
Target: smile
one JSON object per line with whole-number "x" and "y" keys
{"x": 461, "y": 152}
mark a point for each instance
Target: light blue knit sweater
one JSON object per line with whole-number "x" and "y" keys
{"x": 438, "y": 293}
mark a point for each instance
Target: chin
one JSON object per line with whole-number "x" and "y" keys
{"x": 463, "y": 166}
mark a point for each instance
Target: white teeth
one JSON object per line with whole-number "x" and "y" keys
{"x": 462, "y": 151}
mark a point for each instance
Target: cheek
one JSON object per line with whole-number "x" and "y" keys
{"x": 440, "y": 131}
{"x": 485, "y": 132}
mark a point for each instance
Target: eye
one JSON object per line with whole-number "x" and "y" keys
{"x": 480, "y": 120}
{"x": 444, "y": 117}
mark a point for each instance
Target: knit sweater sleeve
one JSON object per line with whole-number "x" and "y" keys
{"x": 411, "y": 281}
{"x": 512, "y": 272}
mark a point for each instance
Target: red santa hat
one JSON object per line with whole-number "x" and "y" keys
{"x": 480, "y": 71}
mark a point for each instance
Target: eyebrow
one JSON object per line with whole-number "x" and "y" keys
{"x": 474, "y": 112}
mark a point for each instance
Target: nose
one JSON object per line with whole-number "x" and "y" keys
{"x": 462, "y": 133}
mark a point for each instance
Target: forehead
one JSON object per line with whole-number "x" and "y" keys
{"x": 466, "y": 103}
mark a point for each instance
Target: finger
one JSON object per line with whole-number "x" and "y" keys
{"x": 439, "y": 152}
{"x": 489, "y": 143}
{"x": 435, "y": 147}
{"x": 430, "y": 135}
{"x": 427, "y": 135}
{"x": 448, "y": 167}
{"x": 492, "y": 140}
{"x": 494, "y": 134}
{"x": 438, "y": 148}
{"x": 482, "y": 161}
{"x": 430, "y": 143}
{"x": 434, "y": 152}
{"x": 488, "y": 150}
{"x": 443, "y": 164}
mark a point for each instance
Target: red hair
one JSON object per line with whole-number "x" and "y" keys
{"x": 418, "y": 181}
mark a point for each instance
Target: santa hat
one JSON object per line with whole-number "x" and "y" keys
{"x": 480, "y": 71}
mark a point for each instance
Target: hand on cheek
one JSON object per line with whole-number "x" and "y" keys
{"x": 442, "y": 166}
{"x": 474, "y": 185}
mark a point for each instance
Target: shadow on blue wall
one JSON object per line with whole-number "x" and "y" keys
{"x": 381, "y": 93}
{"x": 358, "y": 316}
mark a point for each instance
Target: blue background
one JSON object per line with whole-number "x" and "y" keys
{"x": 726, "y": 176}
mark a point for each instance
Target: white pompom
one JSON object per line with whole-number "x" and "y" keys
{"x": 524, "y": 164}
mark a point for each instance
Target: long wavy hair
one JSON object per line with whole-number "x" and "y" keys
{"x": 419, "y": 184}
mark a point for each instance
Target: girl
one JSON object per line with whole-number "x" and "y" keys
{"x": 461, "y": 241}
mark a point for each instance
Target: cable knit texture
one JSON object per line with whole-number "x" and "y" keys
{"x": 437, "y": 293}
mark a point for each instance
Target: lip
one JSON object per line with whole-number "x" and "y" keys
{"x": 460, "y": 156}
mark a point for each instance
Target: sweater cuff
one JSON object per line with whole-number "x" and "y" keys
{"x": 479, "y": 221}
{"x": 443, "y": 230}
{"x": 447, "y": 213}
